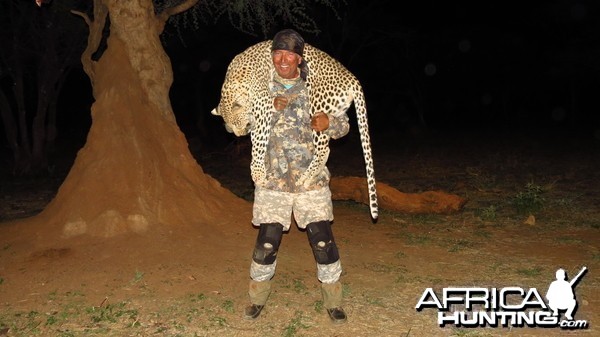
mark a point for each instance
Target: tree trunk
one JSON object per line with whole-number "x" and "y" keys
{"x": 10, "y": 128}
{"x": 135, "y": 173}
{"x": 354, "y": 188}
{"x": 23, "y": 165}
{"x": 39, "y": 159}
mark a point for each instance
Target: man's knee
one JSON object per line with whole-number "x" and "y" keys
{"x": 322, "y": 243}
{"x": 267, "y": 243}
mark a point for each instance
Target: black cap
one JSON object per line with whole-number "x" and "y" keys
{"x": 288, "y": 39}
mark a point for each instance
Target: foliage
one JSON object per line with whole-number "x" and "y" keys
{"x": 296, "y": 323}
{"x": 111, "y": 313}
{"x": 530, "y": 200}
{"x": 228, "y": 306}
{"x": 252, "y": 17}
{"x": 488, "y": 213}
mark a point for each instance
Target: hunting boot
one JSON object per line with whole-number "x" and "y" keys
{"x": 332, "y": 301}
{"x": 259, "y": 292}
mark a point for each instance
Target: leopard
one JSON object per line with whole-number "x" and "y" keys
{"x": 246, "y": 107}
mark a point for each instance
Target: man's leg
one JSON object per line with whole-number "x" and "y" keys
{"x": 329, "y": 267}
{"x": 570, "y": 309}
{"x": 262, "y": 269}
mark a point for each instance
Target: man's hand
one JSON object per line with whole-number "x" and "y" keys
{"x": 280, "y": 102}
{"x": 320, "y": 122}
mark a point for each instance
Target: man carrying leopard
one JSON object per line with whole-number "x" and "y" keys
{"x": 289, "y": 152}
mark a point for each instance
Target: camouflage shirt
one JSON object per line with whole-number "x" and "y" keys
{"x": 290, "y": 148}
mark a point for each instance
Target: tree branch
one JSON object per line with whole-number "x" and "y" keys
{"x": 96, "y": 27}
{"x": 182, "y": 7}
{"x": 85, "y": 17}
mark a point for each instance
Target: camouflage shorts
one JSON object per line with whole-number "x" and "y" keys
{"x": 275, "y": 206}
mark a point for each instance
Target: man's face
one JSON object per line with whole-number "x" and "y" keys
{"x": 286, "y": 63}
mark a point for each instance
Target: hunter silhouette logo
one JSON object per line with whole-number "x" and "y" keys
{"x": 508, "y": 306}
{"x": 561, "y": 293}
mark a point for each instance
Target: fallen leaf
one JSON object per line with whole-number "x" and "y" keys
{"x": 530, "y": 220}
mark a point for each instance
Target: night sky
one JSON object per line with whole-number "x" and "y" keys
{"x": 442, "y": 66}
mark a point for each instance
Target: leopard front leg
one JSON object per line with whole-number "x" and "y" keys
{"x": 260, "y": 139}
{"x": 257, "y": 164}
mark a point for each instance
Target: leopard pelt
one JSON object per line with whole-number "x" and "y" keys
{"x": 246, "y": 106}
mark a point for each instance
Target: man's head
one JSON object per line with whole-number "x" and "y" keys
{"x": 287, "y": 50}
{"x": 560, "y": 274}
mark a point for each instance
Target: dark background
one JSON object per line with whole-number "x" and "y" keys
{"x": 428, "y": 68}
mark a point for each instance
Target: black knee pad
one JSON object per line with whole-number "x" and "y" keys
{"x": 321, "y": 241}
{"x": 267, "y": 243}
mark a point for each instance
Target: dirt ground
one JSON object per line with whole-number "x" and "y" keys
{"x": 533, "y": 207}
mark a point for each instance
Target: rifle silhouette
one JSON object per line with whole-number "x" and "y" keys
{"x": 576, "y": 278}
